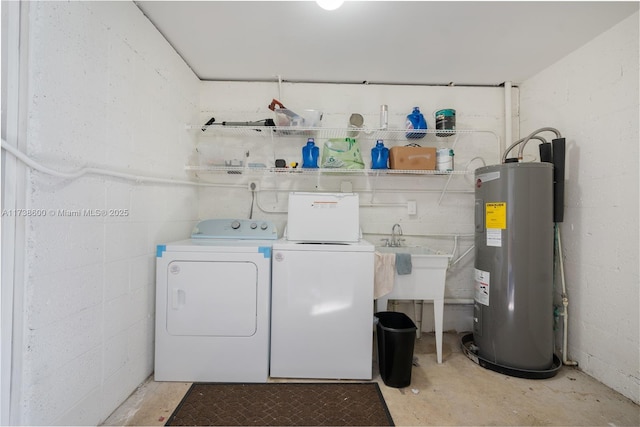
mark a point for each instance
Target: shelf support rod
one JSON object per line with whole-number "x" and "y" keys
{"x": 276, "y": 177}
{"x": 375, "y": 184}
{"x": 444, "y": 190}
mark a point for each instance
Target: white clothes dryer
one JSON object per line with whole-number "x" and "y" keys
{"x": 213, "y": 303}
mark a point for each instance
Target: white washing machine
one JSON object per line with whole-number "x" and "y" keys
{"x": 213, "y": 303}
{"x": 322, "y": 291}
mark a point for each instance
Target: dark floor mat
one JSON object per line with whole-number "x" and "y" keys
{"x": 282, "y": 404}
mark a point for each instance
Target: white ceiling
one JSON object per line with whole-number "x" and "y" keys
{"x": 409, "y": 42}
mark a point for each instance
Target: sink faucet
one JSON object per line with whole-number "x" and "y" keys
{"x": 395, "y": 241}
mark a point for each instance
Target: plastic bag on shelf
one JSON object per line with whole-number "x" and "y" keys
{"x": 342, "y": 153}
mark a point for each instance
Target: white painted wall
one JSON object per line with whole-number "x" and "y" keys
{"x": 104, "y": 89}
{"x": 383, "y": 200}
{"x": 591, "y": 96}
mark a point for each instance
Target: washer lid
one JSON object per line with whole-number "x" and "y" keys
{"x": 323, "y": 217}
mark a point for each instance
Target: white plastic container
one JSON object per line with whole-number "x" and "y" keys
{"x": 301, "y": 119}
{"x": 444, "y": 160}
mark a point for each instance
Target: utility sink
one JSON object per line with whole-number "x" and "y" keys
{"x": 427, "y": 277}
{"x": 413, "y": 250}
{"x": 424, "y": 283}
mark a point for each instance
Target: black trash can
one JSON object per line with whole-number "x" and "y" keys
{"x": 396, "y": 335}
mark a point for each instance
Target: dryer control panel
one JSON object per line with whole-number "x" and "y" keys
{"x": 242, "y": 229}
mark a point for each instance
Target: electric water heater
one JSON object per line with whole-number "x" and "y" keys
{"x": 514, "y": 240}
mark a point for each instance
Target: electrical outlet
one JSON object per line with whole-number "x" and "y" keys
{"x": 412, "y": 207}
{"x": 253, "y": 186}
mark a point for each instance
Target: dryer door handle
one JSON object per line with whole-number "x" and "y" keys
{"x": 178, "y": 298}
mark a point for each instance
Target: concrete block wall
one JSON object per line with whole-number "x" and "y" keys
{"x": 592, "y": 97}
{"x": 106, "y": 90}
{"x": 384, "y": 199}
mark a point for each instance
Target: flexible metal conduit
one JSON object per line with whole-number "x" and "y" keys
{"x": 512, "y": 146}
{"x": 523, "y": 142}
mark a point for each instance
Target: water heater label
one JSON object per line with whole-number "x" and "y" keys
{"x": 482, "y": 283}
{"x": 494, "y": 237}
{"x": 496, "y": 215}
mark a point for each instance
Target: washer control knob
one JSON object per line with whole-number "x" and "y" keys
{"x": 264, "y": 226}
{"x": 253, "y": 226}
{"x": 235, "y": 224}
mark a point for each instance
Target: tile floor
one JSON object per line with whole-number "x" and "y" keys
{"x": 457, "y": 392}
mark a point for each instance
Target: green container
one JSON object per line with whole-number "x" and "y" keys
{"x": 445, "y": 122}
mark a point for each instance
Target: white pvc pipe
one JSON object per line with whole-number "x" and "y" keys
{"x": 279, "y": 87}
{"x": 97, "y": 171}
{"x": 452, "y": 263}
{"x": 565, "y": 305}
{"x": 418, "y": 318}
{"x": 508, "y": 131}
{"x": 458, "y": 301}
{"x": 447, "y": 301}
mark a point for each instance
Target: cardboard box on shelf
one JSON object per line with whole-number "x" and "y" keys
{"x": 412, "y": 158}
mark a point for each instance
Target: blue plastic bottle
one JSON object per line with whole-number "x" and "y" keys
{"x": 379, "y": 156}
{"x": 416, "y": 120}
{"x": 310, "y": 154}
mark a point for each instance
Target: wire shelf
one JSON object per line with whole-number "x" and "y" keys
{"x": 328, "y": 133}
{"x": 318, "y": 171}
{"x": 285, "y": 136}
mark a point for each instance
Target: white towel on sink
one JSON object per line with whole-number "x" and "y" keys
{"x": 384, "y": 273}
